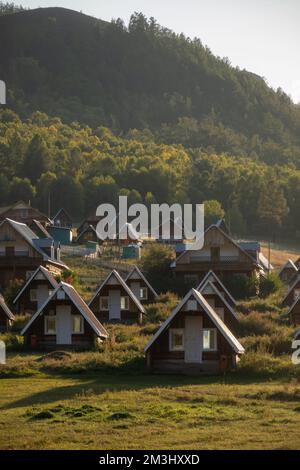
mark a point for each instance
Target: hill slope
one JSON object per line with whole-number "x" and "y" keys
{"x": 74, "y": 66}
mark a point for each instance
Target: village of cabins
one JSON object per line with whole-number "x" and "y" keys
{"x": 198, "y": 336}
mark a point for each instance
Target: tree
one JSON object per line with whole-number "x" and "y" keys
{"x": 213, "y": 211}
{"x": 272, "y": 207}
{"x": 37, "y": 159}
{"x": 21, "y": 189}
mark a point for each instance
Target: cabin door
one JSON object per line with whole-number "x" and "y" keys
{"x": 63, "y": 324}
{"x": 193, "y": 339}
{"x": 114, "y": 305}
{"x": 135, "y": 287}
{"x": 42, "y": 294}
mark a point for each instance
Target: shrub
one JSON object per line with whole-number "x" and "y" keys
{"x": 20, "y": 322}
{"x": 256, "y": 324}
{"x": 13, "y": 342}
{"x": 12, "y": 290}
{"x": 269, "y": 284}
{"x": 241, "y": 286}
{"x": 156, "y": 260}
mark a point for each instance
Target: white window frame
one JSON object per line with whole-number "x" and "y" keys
{"x": 46, "y": 317}
{"x": 214, "y": 330}
{"x": 177, "y": 331}
{"x": 81, "y": 325}
{"x": 101, "y": 300}
{"x": 33, "y": 298}
{"x": 142, "y": 291}
{"x": 124, "y": 298}
{"x": 296, "y": 293}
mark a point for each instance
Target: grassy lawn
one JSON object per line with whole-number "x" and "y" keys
{"x": 105, "y": 411}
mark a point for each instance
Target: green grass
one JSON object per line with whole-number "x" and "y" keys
{"x": 101, "y": 411}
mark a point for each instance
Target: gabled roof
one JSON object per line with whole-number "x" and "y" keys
{"x": 141, "y": 276}
{"x": 62, "y": 210}
{"x": 23, "y": 205}
{"x": 291, "y": 288}
{"x": 32, "y": 239}
{"x": 220, "y": 325}
{"x": 207, "y": 276}
{"x": 218, "y": 293}
{"x": 124, "y": 285}
{"x": 79, "y": 303}
{"x": 48, "y": 276}
{"x": 89, "y": 227}
{"x": 173, "y": 264}
{"x": 289, "y": 265}
{"x": 6, "y": 309}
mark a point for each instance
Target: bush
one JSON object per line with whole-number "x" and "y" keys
{"x": 158, "y": 312}
{"x": 241, "y": 286}
{"x": 269, "y": 284}
{"x": 256, "y": 324}
{"x": 12, "y": 341}
{"x": 156, "y": 260}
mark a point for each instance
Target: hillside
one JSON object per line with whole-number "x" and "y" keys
{"x": 143, "y": 76}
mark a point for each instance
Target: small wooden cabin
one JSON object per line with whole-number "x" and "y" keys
{"x": 193, "y": 339}
{"x": 6, "y": 316}
{"x": 62, "y": 219}
{"x": 219, "y": 253}
{"x": 288, "y": 272}
{"x": 22, "y": 252}
{"x": 141, "y": 288}
{"x": 292, "y": 293}
{"x": 88, "y": 234}
{"x": 294, "y": 312}
{"x": 115, "y": 301}
{"x": 212, "y": 277}
{"x": 35, "y": 291}
{"x": 218, "y": 302}
{"x": 64, "y": 321}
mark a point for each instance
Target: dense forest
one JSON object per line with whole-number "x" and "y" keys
{"x": 80, "y": 168}
{"x": 143, "y": 76}
{"x": 99, "y": 109}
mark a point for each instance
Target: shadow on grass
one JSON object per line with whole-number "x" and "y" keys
{"x": 117, "y": 380}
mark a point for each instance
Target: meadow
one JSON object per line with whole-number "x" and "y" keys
{"x": 106, "y": 399}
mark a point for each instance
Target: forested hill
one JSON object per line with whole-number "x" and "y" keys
{"x": 143, "y": 76}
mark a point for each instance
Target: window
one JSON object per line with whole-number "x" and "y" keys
{"x": 104, "y": 304}
{"x": 124, "y": 303}
{"x": 209, "y": 340}
{"x": 215, "y": 254}
{"x": 176, "y": 339}
{"x": 192, "y": 305}
{"x": 143, "y": 293}
{"x": 50, "y": 325}
{"x": 77, "y": 324}
{"x": 33, "y": 295}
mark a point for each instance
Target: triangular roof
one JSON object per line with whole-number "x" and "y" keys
{"x": 220, "y": 325}
{"x": 32, "y": 239}
{"x": 141, "y": 276}
{"x": 226, "y": 236}
{"x": 290, "y": 265}
{"x": 291, "y": 288}
{"x": 48, "y": 276}
{"x": 218, "y": 293}
{"x": 6, "y": 309}
{"x": 89, "y": 227}
{"x": 62, "y": 210}
{"x": 124, "y": 285}
{"x": 215, "y": 277}
{"x": 79, "y": 303}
